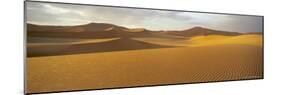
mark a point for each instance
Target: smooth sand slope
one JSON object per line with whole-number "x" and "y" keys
{"x": 209, "y": 40}
{"x": 252, "y": 39}
{"x": 164, "y": 41}
{"x": 223, "y": 58}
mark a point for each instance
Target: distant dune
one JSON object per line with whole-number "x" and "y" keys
{"x": 104, "y": 30}
{"x": 138, "y": 30}
{"x": 258, "y": 33}
{"x": 91, "y": 27}
{"x": 199, "y": 31}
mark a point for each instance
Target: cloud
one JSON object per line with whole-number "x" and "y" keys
{"x": 53, "y": 14}
{"x": 66, "y": 14}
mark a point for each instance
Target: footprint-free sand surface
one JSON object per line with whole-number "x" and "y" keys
{"x": 202, "y": 59}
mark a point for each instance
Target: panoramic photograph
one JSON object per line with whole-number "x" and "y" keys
{"x": 71, "y": 47}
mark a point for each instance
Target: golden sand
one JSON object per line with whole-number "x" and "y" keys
{"x": 255, "y": 40}
{"x": 212, "y": 58}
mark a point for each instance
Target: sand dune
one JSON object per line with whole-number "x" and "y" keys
{"x": 63, "y": 41}
{"x": 106, "y": 30}
{"x": 90, "y": 27}
{"x": 199, "y": 31}
{"x": 209, "y": 40}
{"x": 122, "y": 44}
{"x": 137, "y": 30}
{"x": 144, "y": 67}
{"x": 255, "y": 40}
{"x": 100, "y": 55}
{"x": 164, "y": 41}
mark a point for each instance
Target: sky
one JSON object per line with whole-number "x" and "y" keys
{"x": 69, "y": 15}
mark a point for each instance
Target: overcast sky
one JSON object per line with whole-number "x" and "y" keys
{"x": 67, "y": 14}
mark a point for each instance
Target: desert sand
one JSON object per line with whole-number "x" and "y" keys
{"x": 141, "y": 61}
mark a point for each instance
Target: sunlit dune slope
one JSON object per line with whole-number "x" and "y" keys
{"x": 164, "y": 41}
{"x": 144, "y": 67}
{"x": 254, "y": 40}
{"x": 251, "y": 39}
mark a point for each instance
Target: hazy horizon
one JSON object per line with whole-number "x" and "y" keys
{"x": 70, "y": 15}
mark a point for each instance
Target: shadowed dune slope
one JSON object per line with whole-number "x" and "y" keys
{"x": 108, "y": 46}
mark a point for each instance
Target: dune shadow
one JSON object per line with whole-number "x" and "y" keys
{"x": 122, "y": 44}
